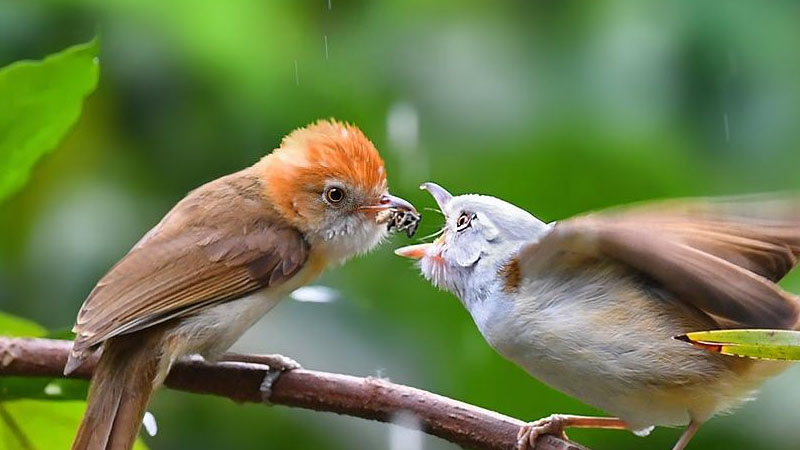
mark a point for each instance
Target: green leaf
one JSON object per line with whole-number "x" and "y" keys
{"x": 39, "y": 102}
{"x": 34, "y": 424}
{"x": 61, "y": 333}
{"x": 13, "y": 388}
{"x": 29, "y": 418}
{"x": 18, "y": 327}
{"x": 752, "y": 343}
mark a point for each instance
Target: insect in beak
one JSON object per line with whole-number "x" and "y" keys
{"x": 397, "y": 213}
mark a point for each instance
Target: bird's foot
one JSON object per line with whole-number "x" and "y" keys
{"x": 528, "y": 433}
{"x": 276, "y": 366}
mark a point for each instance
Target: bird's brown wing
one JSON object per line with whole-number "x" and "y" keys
{"x": 219, "y": 243}
{"x": 721, "y": 256}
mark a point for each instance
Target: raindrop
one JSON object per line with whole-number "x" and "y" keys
{"x": 405, "y": 434}
{"x": 402, "y": 129}
{"x": 149, "y": 422}
{"x": 53, "y": 389}
{"x": 296, "y": 74}
{"x": 402, "y": 123}
{"x": 727, "y": 128}
{"x": 326, "y": 46}
{"x": 315, "y": 294}
{"x": 329, "y": 5}
{"x": 732, "y": 63}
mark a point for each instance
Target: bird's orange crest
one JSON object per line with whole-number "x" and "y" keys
{"x": 308, "y": 158}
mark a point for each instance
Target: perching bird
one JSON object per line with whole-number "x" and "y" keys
{"x": 591, "y": 305}
{"x": 219, "y": 260}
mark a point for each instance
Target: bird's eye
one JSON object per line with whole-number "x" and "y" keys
{"x": 463, "y": 221}
{"x": 334, "y": 195}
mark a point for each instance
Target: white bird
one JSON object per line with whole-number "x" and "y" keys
{"x": 591, "y": 305}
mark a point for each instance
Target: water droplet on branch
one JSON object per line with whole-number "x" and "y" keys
{"x": 149, "y": 422}
{"x": 405, "y": 434}
{"x": 315, "y": 294}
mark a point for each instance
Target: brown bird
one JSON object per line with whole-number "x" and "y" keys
{"x": 219, "y": 260}
{"x": 590, "y": 305}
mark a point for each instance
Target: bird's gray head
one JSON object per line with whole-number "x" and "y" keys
{"x": 480, "y": 235}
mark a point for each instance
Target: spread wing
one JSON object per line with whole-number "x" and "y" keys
{"x": 721, "y": 256}
{"x": 219, "y": 243}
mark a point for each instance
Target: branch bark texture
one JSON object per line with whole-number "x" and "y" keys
{"x": 369, "y": 398}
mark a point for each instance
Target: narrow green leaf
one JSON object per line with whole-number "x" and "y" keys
{"x": 752, "y": 343}
{"x": 39, "y": 102}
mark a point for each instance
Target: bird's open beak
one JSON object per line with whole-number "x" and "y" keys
{"x": 439, "y": 194}
{"x": 413, "y": 251}
{"x": 390, "y": 201}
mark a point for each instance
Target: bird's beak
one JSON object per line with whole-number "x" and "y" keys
{"x": 418, "y": 251}
{"x": 390, "y": 201}
{"x": 439, "y": 194}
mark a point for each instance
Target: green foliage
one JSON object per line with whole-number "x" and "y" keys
{"x": 29, "y": 416}
{"x": 16, "y": 326}
{"x": 39, "y": 102}
{"x": 558, "y": 108}
{"x": 758, "y": 344}
{"x": 33, "y": 424}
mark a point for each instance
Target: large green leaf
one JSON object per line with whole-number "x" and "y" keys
{"x": 29, "y": 418}
{"x": 39, "y": 102}
{"x": 751, "y": 343}
{"x": 12, "y": 388}
{"x": 34, "y": 424}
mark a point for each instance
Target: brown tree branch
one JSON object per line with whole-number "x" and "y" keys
{"x": 369, "y": 398}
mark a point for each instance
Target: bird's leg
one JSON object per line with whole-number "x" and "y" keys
{"x": 555, "y": 424}
{"x": 276, "y": 366}
{"x": 687, "y": 435}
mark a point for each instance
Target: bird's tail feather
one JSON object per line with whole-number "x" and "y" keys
{"x": 121, "y": 388}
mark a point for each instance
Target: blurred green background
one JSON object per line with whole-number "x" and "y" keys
{"x": 558, "y": 107}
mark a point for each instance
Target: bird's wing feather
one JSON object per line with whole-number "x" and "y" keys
{"x": 219, "y": 243}
{"x": 721, "y": 256}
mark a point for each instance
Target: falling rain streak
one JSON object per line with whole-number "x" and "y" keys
{"x": 727, "y": 128}
{"x": 296, "y": 74}
{"x": 326, "y": 46}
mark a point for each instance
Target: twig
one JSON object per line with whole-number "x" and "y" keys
{"x": 370, "y": 398}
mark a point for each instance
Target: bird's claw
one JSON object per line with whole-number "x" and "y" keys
{"x": 277, "y": 365}
{"x": 528, "y": 433}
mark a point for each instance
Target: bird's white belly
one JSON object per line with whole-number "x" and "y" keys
{"x": 559, "y": 361}
{"x": 628, "y": 365}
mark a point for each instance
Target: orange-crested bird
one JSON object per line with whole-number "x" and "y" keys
{"x": 218, "y": 261}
